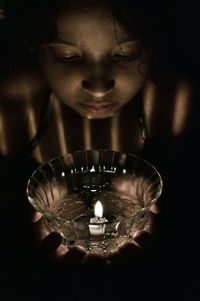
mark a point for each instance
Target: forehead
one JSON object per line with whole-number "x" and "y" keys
{"x": 96, "y": 23}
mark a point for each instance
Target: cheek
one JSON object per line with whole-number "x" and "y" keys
{"x": 130, "y": 81}
{"x": 67, "y": 91}
{"x": 64, "y": 81}
{"x": 61, "y": 81}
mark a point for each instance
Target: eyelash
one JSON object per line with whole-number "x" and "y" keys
{"x": 75, "y": 58}
{"x": 124, "y": 57}
{"x": 67, "y": 59}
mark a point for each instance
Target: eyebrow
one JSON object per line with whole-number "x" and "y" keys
{"x": 58, "y": 40}
{"x": 129, "y": 41}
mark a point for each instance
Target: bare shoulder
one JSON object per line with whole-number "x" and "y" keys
{"x": 21, "y": 93}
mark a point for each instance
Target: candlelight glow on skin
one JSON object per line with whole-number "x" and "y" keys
{"x": 97, "y": 224}
{"x": 94, "y": 74}
{"x": 102, "y": 208}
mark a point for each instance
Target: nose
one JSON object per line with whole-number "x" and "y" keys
{"x": 98, "y": 82}
{"x": 98, "y": 89}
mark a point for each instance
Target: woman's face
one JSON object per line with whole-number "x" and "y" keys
{"x": 93, "y": 65}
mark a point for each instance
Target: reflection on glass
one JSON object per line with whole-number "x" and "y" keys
{"x": 66, "y": 190}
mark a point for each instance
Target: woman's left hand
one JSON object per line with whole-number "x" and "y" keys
{"x": 50, "y": 248}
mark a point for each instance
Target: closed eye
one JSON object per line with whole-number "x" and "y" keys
{"x": 66, "y": 59}
{"x": 124, "y": 57}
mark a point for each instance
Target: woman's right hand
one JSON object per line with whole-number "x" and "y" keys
{"x": 49, "y": 247}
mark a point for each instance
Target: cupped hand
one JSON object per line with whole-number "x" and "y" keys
{"x": 49, "y": 247}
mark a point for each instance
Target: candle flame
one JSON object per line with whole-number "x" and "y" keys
{"x": 98, "y": 209}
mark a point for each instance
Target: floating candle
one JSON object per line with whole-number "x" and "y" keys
{"x": 97, "y": 224}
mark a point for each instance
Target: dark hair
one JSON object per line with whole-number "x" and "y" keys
{"x": 143, "y": 19}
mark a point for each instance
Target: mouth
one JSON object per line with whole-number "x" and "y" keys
{"x": 98, "y": 108}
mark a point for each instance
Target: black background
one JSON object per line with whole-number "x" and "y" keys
{"x": 174, "y": 272}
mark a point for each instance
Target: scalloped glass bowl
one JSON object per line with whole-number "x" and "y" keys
{"x": 65, "y": 190}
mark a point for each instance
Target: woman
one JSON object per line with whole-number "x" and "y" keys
{"x": 104, "y": 83}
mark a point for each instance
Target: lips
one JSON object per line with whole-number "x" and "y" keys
{"x": 98, "y": 107}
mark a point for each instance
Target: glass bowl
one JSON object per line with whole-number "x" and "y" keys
{"x": 96, "y": 199}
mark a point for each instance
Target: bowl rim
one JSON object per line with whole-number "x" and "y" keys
{"x": 102, "y": 151}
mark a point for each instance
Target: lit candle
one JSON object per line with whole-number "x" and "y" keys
{"x": 97, "y": 224}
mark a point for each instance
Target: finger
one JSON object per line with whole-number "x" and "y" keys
{"x": 129, "y": 252}
{"x": 74, "y": 256}
{"x": 94, "y": 259}
{"x": 36, "y": 216}
{"x": 155, "y": 209}
{"x": 143, "y": 238}
{"x": 32, "y": 213}
{"x": 126, "y": 253}
{"x": 50, "y": 243}
{"x": 114, "y": 258}
{"x": 40, "y": 231}
{"x": 152, "y": 223}
{"x": 129, "y": 249}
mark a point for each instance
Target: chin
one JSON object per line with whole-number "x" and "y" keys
{"x": 99, "y": 116}
{"x": 93, "y": 116}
